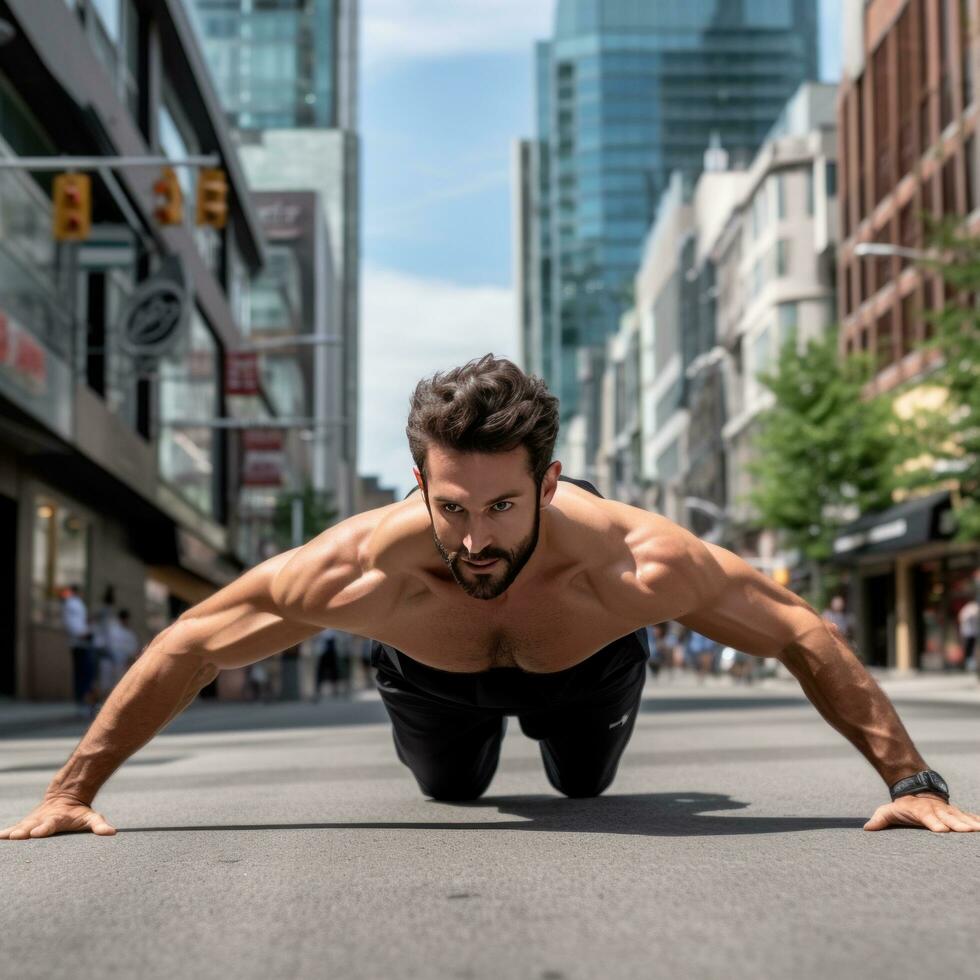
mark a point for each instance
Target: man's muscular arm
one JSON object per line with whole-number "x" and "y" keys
{"x": 248, "y": 620}
{"x": 723, "y": 597}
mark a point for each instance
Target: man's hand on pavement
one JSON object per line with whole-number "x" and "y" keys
{"x": 931, "y": 812}
{"x": 60, "y": 814}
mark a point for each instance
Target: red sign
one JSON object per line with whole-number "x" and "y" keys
{"x": 241, "y": 373}
{"x": 20, "y": 352}
{"x": 263, "y": 458}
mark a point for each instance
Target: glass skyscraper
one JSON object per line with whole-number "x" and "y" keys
{"x": 280, "y": 64}
{"x": 627, "y": 92}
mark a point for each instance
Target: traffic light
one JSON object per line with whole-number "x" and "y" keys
{"x": 72, "y": 218}
{"x": 170, "y": 198}
{"x": 212, "y": 197}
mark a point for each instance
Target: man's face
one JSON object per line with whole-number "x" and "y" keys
{"x": 486, "y": 514}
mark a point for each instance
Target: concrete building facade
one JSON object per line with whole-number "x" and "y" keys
{"x": 110, "y": 473}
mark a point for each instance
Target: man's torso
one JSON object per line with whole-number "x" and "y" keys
{"x": 583, "y": 592}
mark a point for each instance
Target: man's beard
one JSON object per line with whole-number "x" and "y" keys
{"x": 486, "y": 585}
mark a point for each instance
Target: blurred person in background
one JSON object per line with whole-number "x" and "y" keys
{"x": 701, "y": 652}
{"x": 967, "y": 619}
{"x": 123, "y": 646}
{"x": 331, "y": 665}
{"x": 74, "y": 618}
{"x": 837, "y": 614}
{"x": 102, "y": 622}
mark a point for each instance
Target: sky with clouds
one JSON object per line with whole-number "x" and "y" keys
{"x": 446, "y": 89}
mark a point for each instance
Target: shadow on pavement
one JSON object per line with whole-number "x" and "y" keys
{"x": 641, "y": 814}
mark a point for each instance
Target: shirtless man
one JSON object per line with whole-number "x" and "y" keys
{"x": 500, "y": 589}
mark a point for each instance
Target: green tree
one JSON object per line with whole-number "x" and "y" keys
{"x": 948, "y": 437}
{"x": 318, "y": 513}
{"x": 823, "y": 454}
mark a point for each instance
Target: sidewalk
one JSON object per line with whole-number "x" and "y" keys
{"x": 26, "y": 716}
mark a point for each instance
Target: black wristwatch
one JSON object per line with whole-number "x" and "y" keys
{"x": 927, "y": 781}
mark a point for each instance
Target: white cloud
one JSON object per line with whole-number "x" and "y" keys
{"x": 412, "y": 327}
{"x": 395, "y": 30}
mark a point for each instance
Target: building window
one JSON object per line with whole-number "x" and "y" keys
{"x": 780, "y": 196}
{"x": 970, "y": 161}
{"x": 59, "y": 558}
{"x": 830, "y": 178}
{"x": 188, "y": 391}
{"x": 908, "y": 323}
{"x": 946, "y": 56}
{"x": 788, "y": 320}
{"x": 809, "y": 191}
{"x": 966, "y": 59}
{"x": 782, "y": 257}
{"x": 884, "y": 341}
{"x": 949, "y": 186}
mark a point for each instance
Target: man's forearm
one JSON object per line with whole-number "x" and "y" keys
{"x": 850, "y": 699}
{"x": 162, "y": 682}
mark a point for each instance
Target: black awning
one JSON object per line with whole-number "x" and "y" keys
{"x": 906, "y": 525}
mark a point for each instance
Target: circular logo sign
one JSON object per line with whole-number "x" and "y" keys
{"x": 153, "y": 317}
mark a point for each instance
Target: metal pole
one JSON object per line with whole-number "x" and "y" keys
{"x": 228, "y": 423}
{"x": 297, "y": 514}
{"x": 97, "y": 163}
{"x": 300, "y": 340}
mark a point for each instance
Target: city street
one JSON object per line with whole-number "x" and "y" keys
{"x": 287, "y": 841}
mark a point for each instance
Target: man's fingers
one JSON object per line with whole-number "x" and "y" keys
{"x": 957, "y": 821}
{"x": 878, "y": 820}
{"x": 20, "y": 832}
{"x": 44, "y": 829}
{"x": 99, "y": 825}
{"x": 934, "y": 823}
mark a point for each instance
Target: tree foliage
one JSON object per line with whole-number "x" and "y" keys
{"x": 318, "y": 514}
{"x": 823, "y": 455}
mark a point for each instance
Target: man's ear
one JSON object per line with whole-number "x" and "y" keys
{"x": 549, "y": 483}
{"x": 420, "y": 480}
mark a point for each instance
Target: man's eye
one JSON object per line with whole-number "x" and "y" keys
{"x": 505, "y": 503}
{"x": 446, "y": 507}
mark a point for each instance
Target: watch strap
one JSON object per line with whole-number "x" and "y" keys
{"x": 927, "y": 781}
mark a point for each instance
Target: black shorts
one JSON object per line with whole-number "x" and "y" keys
{"x": 448, "y": 726}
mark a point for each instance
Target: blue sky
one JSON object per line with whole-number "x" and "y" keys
{"x": 446, "y": 88}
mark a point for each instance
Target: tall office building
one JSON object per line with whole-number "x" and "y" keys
{"x": 282, "y": 64}
{"x": 627, "y": 93}
{"x": 286, "y": 71}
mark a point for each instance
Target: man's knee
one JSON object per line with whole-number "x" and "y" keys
{"x": 452, "y": 789}
{"x": 581, "y": 787}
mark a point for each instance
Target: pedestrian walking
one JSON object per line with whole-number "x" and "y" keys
{"x": 332, "y": 666}
{"x": 968, "y": 619}
{"x": 74, "y": 618}
{"x": 837, "y": 614}
{"x": 122, "y": 645}
{"x": 701, "y": 652}
{"x": 101, "y": 627}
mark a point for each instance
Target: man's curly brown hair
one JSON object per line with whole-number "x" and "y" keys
{"x": 489, "y": 405}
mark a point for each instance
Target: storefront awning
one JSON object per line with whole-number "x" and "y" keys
{"x": 906, "y": 525}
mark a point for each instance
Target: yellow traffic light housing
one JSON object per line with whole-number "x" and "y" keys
{"x": 72, "y": 218}
{"x": 170, "y": 198}
{"x": 212, "y": 197}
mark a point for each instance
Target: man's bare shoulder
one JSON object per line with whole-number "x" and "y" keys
{"x": 622, "y": 531}
{"x": 352, "y": 572}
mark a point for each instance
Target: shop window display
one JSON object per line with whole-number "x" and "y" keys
{"x": 59, "y": 559}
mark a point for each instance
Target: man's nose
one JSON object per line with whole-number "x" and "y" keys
{"x": 476, "y": 540}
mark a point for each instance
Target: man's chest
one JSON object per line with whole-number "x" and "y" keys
{"x": 554, "y": 630}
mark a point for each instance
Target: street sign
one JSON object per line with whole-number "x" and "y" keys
{"x": 263, "y": 458}
{"x": 241, "y": 373}
{"x": 156, "y": 312}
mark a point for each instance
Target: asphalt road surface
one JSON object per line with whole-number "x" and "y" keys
{"x": 287, "y": 841}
